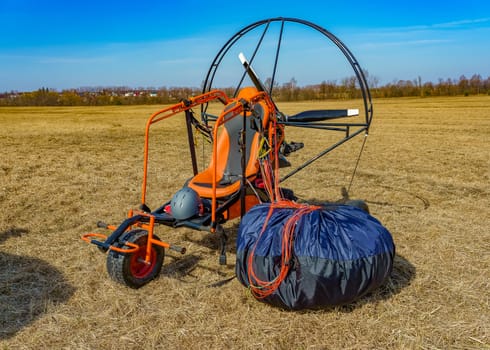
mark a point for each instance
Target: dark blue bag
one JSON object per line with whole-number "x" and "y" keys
{"x": 339, "y": 253}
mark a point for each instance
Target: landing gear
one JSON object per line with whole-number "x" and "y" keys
{"x": 131, "y": 269}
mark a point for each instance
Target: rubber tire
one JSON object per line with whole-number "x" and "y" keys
{"x": 125, "y": 269}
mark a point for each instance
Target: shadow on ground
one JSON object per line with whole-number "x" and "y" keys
{"x": 12, "y": 232}
{"x": 401, "y": 276}
{"x": 181, "y": 268}
{"x": 28, "y": 288}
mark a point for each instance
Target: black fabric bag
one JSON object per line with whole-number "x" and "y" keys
{"x": 339, "y": 253}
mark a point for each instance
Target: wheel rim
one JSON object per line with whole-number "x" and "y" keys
{"x": 137, "y": 265}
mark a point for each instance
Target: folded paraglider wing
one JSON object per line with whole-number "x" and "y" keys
{"x": 338, "y": 254}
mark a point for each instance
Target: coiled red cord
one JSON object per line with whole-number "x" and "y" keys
{"x": 261, "y": 288}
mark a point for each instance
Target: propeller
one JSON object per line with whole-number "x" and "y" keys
{"x": 251, "y": 73}
{"x": 322, "y": 114}
{"x": 306, "y": 116}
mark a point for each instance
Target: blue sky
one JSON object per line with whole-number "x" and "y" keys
{"x": 149, "y": 43}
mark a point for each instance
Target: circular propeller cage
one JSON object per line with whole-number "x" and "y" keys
{"x": 267, "y": 38}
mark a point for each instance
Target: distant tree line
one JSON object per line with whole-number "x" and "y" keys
{"x": 346, "y": 88}
{"x": 96, "y": 96}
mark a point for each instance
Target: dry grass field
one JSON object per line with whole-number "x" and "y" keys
{"x": 424, "y": 173}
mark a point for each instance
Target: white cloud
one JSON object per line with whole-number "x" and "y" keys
{"x": 461, "y": 23}
{"x": 404, "y": 43}
{"x": 428, "y": 29}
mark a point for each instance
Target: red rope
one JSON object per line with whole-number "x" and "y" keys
{"x": 262, "y": 288}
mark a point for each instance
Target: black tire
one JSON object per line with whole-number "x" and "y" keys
{"x": 128, "y": 269}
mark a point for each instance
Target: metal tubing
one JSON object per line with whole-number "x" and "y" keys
{"x": 321, "y": 154}
{"x": 190, "y": 138}
{"x": 243, "y": 149}
{"x": 276, "y": 59}
{"x": 121, "y": 229}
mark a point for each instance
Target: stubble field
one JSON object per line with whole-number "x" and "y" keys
{"x": 424, "y": 173}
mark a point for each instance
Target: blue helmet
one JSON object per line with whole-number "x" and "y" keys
{"x": 185, "y": 204}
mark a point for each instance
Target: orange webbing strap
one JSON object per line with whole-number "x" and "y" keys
{"x": 260, "y": 288}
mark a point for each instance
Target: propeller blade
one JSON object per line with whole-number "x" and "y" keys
{"x": 251, "y": 73}
{"x": 255, "y": 79}
{"x": 322, "y": 114}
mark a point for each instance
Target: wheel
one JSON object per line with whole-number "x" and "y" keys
{"x": 130, "y": 268}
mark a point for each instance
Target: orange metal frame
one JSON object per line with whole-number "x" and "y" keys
{"x": 131, "y": 247}
{"x": 224, "y": 117}
{"x": 168, "y": 112}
